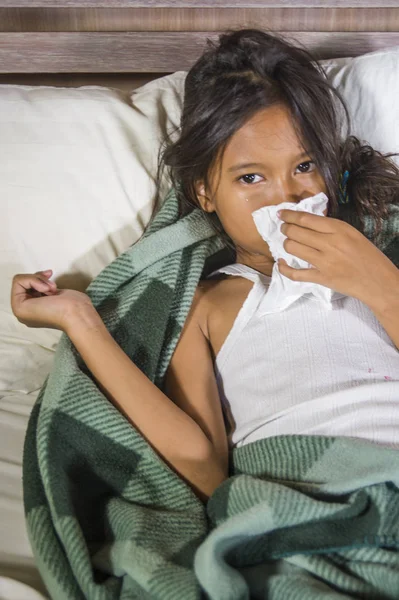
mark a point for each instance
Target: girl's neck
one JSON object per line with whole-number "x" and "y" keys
{"x": 259, "y": 262}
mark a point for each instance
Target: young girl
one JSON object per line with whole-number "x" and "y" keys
{"x": 260, "y": 126}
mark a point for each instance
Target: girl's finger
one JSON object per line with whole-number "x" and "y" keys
{"x": 306, "y": 219}
{"x": 34, "y": 283}
{"x": 299, "y": 250}
{"x": 310, "y": 275}
{"x": 48, "y": 291}
{"x": 308, "y": 237}
{"x": 52, "y": 284}
{"x": 40, "y": 283}
{"x": 45, "y": 279}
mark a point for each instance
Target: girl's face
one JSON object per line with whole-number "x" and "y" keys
{"x": 263, "y": 164}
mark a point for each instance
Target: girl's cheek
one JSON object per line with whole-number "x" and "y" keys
{"x": 255, "y": 200}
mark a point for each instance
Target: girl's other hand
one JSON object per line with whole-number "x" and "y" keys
{"x": 343, "y": 259}
{"x": 37, "y": 302}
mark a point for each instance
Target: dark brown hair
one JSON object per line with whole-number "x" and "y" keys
{"x": 249, "y": 70}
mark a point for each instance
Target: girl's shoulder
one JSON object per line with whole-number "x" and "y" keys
{"x": 206, "y": 296}
{"x": 221, "y": 284}
{"x": 218, "y": 298}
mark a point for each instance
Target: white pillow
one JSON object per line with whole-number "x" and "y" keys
{"x": 370, "y": 86}
{"x": 77, "y": 183}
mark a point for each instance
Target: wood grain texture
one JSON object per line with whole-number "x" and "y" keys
{"x": 197, "y": 3}
{"x": 126, "y": 82}
{"x": 151, "y": 51}
{"x": 131, "y": 36}
{"x": 198, "y": 19}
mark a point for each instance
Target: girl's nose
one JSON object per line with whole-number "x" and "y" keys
{"x": 290, "y": 191}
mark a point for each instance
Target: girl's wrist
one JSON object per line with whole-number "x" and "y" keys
{"x": 384, "y": 296}
{"x": 84, "y": 317}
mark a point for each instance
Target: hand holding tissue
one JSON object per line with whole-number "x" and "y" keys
{"x": 283, "y": 291}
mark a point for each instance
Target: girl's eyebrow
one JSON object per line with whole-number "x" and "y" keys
{"x": 239, "y": 166}
{"x": 244, "y": 166}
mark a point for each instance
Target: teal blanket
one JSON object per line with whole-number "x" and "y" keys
{"x": 300, "y": 517}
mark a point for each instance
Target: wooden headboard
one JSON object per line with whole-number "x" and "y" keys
{"x": 124, "y": 43}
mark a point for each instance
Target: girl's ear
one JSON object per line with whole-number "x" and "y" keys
{"x": 205, "y": 202}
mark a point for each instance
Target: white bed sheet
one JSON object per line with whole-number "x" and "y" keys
{"x": 19, "y": 578}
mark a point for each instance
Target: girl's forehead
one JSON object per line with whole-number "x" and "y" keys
{"x": 268, "y": 132}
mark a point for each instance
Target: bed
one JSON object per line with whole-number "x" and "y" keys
{"x": 87, "y": 92}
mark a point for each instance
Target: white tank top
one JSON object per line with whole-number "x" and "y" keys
{"x": 307, "y": 369}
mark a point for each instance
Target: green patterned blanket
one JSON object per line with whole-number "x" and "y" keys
{"x": 300, "y": 517}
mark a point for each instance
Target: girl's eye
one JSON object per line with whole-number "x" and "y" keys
{"x": 250, "y": 175}
{"x": 306, "y": 167}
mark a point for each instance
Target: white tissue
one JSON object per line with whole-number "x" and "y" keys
{"x": 283, "y": 291}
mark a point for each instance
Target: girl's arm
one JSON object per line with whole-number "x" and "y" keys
{"x": 173, "y": 434}
{"x": 385, "y": 306}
